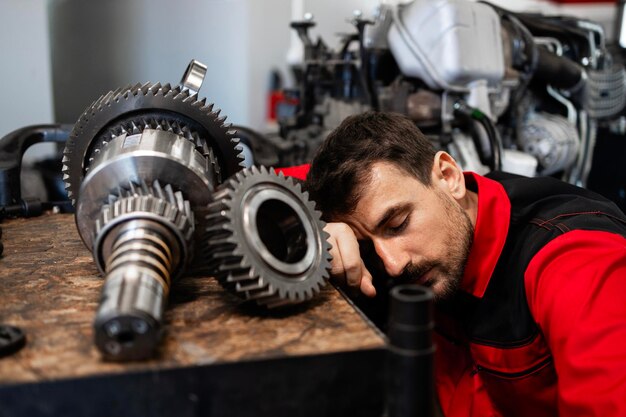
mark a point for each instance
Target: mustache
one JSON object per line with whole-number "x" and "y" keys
{"x": 412, "y": 272}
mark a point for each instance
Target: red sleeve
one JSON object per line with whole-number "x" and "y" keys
{"x": 576, "y": 288}
{"x": 299, "y": 171}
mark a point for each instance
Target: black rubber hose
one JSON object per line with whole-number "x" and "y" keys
{"x": 557, "y": 71}
{"x": 495, "y": 159}
{"x": 12, "y": 148}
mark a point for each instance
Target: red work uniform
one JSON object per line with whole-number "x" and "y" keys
{"x": 539, "y": 327}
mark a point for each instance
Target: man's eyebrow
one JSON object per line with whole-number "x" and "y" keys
{"x": 389, "y": 214}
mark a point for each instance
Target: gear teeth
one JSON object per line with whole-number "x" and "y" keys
{"x": 134, "y": 128}
{"x": 171, "y": 94}
{"x": 144, "y": 88}
{"x": 180, "y": 94}
{"x": 232, "y": 259}
{"x": 213, "y": 141}
{"x": 191, "y": 98}
{"x": 143, "y": 198}
{"x": 154, "y": 89}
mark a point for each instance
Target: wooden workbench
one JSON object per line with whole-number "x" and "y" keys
{"x": 220, "y": 357}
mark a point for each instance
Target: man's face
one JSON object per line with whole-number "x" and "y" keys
{"x": 419, "y": 232}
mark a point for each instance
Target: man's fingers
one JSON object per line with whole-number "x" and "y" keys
{"x": 367, "y": 288}
{"x": 347, "y": 266}
{"x": 336, "y": 266}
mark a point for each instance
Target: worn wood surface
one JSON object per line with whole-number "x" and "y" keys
{"x": 49, "y": 286}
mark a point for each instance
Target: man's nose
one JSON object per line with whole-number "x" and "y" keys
{"x": 392, "y": 257}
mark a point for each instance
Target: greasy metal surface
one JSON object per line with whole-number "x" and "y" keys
{"x": 50, "y": 287}
{"x": 266, "y": 239}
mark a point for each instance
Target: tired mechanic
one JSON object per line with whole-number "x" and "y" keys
{"x": 529, "y": 274}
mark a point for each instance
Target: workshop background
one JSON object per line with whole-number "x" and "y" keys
{"x": 219, "y": 354}
{"x": 59, "y": 55}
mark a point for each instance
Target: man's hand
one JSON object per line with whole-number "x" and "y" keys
{"x": 347, "y": 266}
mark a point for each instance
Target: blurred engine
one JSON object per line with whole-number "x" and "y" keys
{"x": 520, "y": 92}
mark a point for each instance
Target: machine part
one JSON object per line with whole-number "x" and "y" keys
{"x": 142, "y": 242}
{"x": 142, "y": 106}
{"x": 27, "y": 207}
{"x": 551, "y": 139}
{"x": 193, "y": 77}
{"x": 411, "y": 380}
{"x": 588, "y": 131}
{"x": 334, "y": 111}
{"x": 424, "y": 108}
{"x": 140, "y": 164}
{"x": 463, "y": 44}
{"x": 12, "y": 149}
{"x": 620, "y": 24}
{"x": 518, "y": 162}
{"x": 463, "y": 149}
{"x": 266, "y": 240}
{"x": 491, "y": 135}
{"x": 149, "y": 156}
{"x": 12, "y": 339}
{"x": 606, "y": 94}
{"x": 375, "y": 35}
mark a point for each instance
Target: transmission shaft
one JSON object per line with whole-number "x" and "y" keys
{"x": 140, "y": 162}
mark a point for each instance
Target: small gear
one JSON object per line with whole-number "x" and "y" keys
{"x": 157, "y": 106}
{"x": 266, "y": 240}
{"x": 143, "y": 201}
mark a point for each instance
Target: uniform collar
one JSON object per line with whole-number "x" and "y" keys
{"x": 492, "y": 226}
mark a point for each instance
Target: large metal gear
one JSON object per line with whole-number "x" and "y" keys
{"x": 266, "y": 241}
{"x": 140, "y": 106}
{"x": 140, "y": 166}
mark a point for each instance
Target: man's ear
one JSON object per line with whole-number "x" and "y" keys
{"x": 448, "y": 176}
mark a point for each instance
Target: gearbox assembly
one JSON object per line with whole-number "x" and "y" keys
{"x": 139, "y": 163}
{"x": 142, "y": 166}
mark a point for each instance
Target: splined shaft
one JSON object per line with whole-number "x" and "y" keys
{"x": 144, "y": 255}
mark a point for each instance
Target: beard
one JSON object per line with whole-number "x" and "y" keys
{"x": 446, "y": 273}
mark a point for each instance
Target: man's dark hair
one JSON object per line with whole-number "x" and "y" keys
{"x": 342, "y": 164}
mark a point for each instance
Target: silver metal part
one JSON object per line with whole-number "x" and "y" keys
{"x": 448, "y": 44}
{"x": 606, "y": 92}
{"x": 153, "y": 155}
{"x": 266, "y": 240}
{"x": 552, "y": 139}
{"x": 157, "y": 204}
{"x": 141, "y": 165}
{"x": 142, "y": 255}
{"x": 194, "y": 76}
{"x": 142, "y": 242}
{"x": 132, "y": 109}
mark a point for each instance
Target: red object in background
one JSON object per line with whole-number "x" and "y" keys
{"x": 275, "y": 97}
{"x": 583, "y": 1}
{"x": 299, "y": 171}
